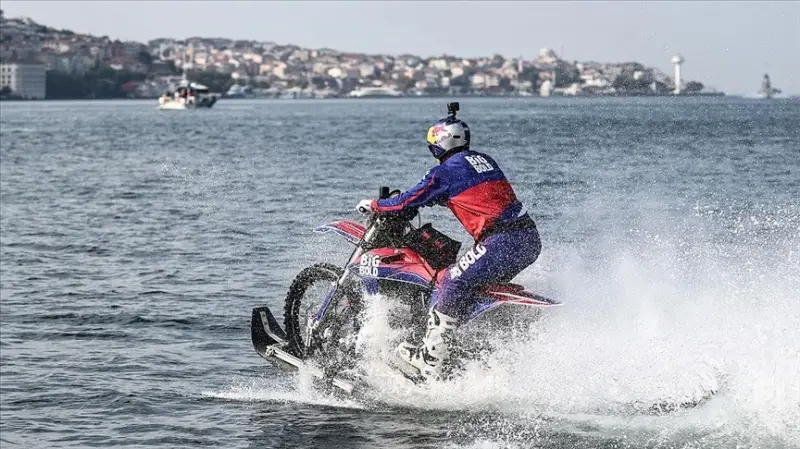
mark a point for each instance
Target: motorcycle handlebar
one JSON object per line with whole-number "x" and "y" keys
{"x": 385, "y": 192}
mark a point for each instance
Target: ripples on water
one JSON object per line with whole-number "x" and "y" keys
{"x": 135, "y": 242}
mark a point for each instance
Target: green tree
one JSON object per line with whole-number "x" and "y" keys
{"x": 216, "y": 81}
{"x": 461, "y": 81}
{"x": 530, "y": 74}
{"x": 694, "y": 86}
{"x": 62, "y": 86}
{"x": 318, "y": 82}
{"x": 567, "y": 76}
{"x": 629, "y": 83}
{"x": 103, "y": 82}
{"x": 661, "y": 87}
{"x": 145, "y": 58}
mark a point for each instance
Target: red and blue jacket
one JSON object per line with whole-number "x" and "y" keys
{"x": 469, "y": 183}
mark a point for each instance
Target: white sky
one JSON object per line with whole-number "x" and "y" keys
{"x": 727, "y": 45}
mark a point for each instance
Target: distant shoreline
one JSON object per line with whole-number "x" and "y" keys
{"x": 401, "y": 97}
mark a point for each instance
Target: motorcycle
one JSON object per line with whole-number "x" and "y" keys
{"x": 396, "y": 260}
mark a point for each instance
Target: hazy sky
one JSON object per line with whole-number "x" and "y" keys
{"x": 727, "y": 45}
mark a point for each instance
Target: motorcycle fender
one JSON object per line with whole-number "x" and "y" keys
{"x": 498, "y": 295}
{"x": 351, "y": 231}
{"x": 516, "y": 294}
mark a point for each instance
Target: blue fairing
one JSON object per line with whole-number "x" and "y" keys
{"x": 392, "y": 274}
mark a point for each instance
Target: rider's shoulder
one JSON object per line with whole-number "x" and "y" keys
{"x": 468, "y": 157}
{"x": 480, "y": 153}
{"x": 487, "y": 157}
{"x": 431, "y": 173}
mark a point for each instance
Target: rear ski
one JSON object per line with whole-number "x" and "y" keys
{"x": 269, "y": 341}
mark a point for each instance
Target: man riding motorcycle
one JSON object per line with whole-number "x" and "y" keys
{"x": 474, "y": 188}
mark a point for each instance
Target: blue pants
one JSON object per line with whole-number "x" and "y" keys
{"x": 498, "y": 258}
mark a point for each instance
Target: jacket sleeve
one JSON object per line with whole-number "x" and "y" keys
{"x": 429, "y": 191}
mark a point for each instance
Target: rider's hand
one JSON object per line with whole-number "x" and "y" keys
{"x": 364, "y": 206}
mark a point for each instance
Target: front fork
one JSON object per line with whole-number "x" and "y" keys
{"x": 346, "y": 274}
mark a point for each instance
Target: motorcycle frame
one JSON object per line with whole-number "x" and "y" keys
{"x": 496, "y": 295}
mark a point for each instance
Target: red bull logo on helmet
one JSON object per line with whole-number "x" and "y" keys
{"x": 437, "y": 133}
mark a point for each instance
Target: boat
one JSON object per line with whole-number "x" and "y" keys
{"x": 188, "y": 95}
{"x": 376, "y": 92}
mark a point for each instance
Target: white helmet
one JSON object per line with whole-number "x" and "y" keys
{"x": 447, "y": 135}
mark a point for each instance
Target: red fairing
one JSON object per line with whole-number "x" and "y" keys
{"x": 440, "y": 276}
{"x": 350, "y": 228}
{"x": 479, "y": 207}
{"x": 410, "y": 262}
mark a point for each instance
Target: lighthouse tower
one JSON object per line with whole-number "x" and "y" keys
{"x": 677, "y": 60}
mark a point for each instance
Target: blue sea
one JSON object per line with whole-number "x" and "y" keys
{"x": 135, "y": 242}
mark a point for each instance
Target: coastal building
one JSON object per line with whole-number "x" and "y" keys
{"x": 274, "y": 70}
{"x": 25, "y": 78}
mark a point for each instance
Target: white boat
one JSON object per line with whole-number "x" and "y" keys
{"x": 379, "y": 92}
{"x": 188, "y": 95}
{"x": 165, "y": 102}
{"x": 188, "y": 102}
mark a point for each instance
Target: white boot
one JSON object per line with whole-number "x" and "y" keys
{"x": 426, "y": 360}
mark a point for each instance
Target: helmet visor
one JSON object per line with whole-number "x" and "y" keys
{"x": 436, "y": 151}
{"x": 431, "y": 135}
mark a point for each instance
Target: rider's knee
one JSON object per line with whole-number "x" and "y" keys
{"x": 456, "y": 286}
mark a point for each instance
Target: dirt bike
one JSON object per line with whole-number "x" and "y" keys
{"x": 398, "y": 261}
